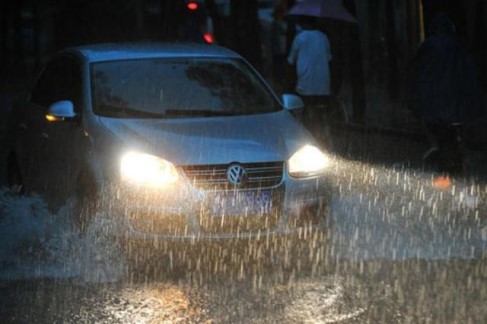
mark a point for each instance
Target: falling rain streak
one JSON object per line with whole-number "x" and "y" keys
{"x": 396, "y": 250}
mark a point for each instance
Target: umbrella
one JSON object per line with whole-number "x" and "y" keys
{"x": 332, "y": 9}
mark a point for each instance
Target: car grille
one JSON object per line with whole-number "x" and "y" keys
{"x": 214, "y": 177}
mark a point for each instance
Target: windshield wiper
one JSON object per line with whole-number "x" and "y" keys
{"x": 115, "y": 111}
{"x": 199, "y": 113}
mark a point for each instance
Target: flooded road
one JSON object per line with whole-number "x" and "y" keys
{"x": 375, "y": 292}
{"x": 397, "y": 250}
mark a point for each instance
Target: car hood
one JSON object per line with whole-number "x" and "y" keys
{"x": 213, "y": 140}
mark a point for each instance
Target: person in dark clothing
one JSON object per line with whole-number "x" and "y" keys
{"x": 444, "y": 92}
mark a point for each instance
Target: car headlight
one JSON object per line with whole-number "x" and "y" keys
{"x": 307, "y": 161}
{"x": 148, "y": 170}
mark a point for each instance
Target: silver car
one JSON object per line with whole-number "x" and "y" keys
{"x": 176, "y": 140}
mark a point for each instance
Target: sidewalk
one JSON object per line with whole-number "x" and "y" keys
{"x": 391, "y": 135}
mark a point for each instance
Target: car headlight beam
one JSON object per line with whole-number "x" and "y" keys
{"x": 308, "y": 161}
{"x": 147, "y": 170}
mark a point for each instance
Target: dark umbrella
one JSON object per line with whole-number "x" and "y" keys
{"x": 332, "y": 9}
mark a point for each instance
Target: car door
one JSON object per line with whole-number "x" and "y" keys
{"x": 29, "y": 117}
{"x": 45, "y": 149}
{"x": 61, "y": 139}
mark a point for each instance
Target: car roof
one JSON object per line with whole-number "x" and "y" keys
{"x": 111, "y": 52}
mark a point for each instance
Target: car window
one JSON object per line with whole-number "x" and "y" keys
{"x": 61, "y": 80}
{"x": 177, "y": 87}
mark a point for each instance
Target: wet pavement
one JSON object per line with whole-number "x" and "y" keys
{"x": 396, "y": 251}
{"x": 371, "y": 292}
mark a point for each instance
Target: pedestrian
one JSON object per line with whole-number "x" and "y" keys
{"x": 310, "y": 57}
{"x": 444, "y": 92}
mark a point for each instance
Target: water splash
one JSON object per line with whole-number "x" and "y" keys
{"x": 36, "y": 243}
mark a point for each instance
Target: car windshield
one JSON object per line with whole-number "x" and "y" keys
{"x": 185, "y": 87}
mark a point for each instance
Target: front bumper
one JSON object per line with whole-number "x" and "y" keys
{"x": 186, "y": 213}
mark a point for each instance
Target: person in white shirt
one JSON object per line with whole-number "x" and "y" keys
{"x": 310, "y": 56}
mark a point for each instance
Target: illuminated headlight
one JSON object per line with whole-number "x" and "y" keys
{"x": 307, "y": 161}
{"x": 147, "y": 170}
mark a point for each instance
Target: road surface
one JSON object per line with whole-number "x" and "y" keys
{"x": 397, "y": 250}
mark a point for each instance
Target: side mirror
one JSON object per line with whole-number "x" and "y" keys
{"x": 292, "y": 102}
{"x": 60, "y": 110}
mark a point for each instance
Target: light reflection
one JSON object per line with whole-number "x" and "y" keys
{"x": 392, "y": 241}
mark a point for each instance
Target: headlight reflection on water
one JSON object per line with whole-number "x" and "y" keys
{"x": 392, "y": 255}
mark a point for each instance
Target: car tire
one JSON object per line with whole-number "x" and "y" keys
{"x": 15, "y": 179}
{"x": 87, "y": 201}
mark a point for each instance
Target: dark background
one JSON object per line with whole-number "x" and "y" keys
{"x": 371, "y": 57}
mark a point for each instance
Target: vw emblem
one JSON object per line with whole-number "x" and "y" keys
{"x": 236, "y": 174}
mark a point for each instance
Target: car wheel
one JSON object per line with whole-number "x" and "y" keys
{"x": 86, "y": 200}
{"x": 14, "y": 175}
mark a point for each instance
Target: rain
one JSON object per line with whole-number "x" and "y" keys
{"x": 400, "y": 242}
{"x": 395, "y": 249}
